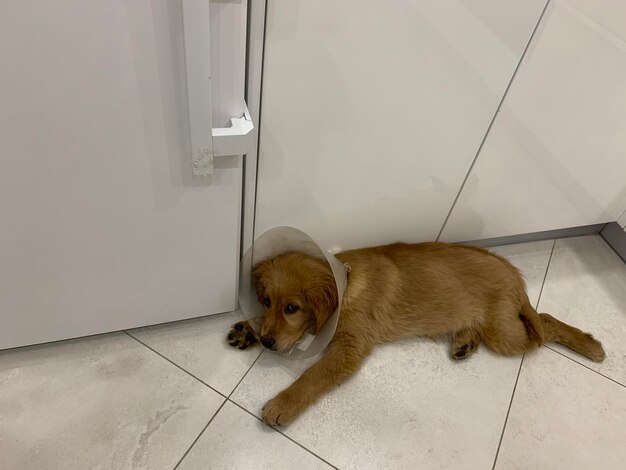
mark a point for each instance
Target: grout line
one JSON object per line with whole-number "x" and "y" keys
{"x": 284, "y": 435}
{"x": 201, "y": 432}
{"x": 585, "y": 366}
{"x": 226, "y": 398}
{"x": 493, "y": 119}
{"x": 495, "y": 460}
{"x": 249, "y": 369}
{"x": 259, "y": 419}
{"x": 519, "y": 371}
{"x": 176, "y": 365}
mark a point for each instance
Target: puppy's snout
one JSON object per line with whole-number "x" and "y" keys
{"x": 267, "y": 342}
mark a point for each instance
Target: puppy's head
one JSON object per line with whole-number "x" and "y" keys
{"x": 298, "y": 293}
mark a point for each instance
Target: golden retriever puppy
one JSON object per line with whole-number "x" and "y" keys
{"x": 428, "y": 289}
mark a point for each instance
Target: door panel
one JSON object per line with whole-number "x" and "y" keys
{"x": 103, "y": 225}
{"x": 373, "y": 111}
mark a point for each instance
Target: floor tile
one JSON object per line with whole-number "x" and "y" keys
{"x": 199, "y": 346}
{"x": 104, "y": 402}
{"x": 410, "y": 406}
{"x": 586, "y": 287}
{"x": 234, "y": 439}
{"x": 564, "y": 416}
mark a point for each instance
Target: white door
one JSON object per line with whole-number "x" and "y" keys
{"x": 103, "y": 225}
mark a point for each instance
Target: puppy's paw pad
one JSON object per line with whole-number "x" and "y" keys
{"x": 241, "y": 335}
{"x": 463, "y": 351}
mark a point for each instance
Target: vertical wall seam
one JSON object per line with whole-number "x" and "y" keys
{"x": 493, "y": 119}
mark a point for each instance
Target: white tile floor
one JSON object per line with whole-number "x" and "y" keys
{"x": 178, "y": 396}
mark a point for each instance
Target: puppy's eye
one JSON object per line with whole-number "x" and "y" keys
{"x": 291, "y": 308}
{"x": 267, "y": 302}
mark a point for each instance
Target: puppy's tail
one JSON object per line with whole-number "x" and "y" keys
{"x": 542, "y": 327}
{"x": 575, "y": 339}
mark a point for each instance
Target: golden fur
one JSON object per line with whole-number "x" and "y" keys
{"x": 394, "y": 291}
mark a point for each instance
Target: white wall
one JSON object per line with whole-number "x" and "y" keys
{"x": 556, "y": 155}
{"x": 373, "y": 111}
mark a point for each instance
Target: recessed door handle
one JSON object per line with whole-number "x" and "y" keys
{"x": 207, "y": 142}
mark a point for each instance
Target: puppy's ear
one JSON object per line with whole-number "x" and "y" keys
{"x": 258, "y": 273}
{"x": 320, "y": 292}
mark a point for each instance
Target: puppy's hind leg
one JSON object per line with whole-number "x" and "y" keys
{"x": 464, "y": 343}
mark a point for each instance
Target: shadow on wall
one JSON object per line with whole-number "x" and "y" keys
{"x": 357, "y": 229}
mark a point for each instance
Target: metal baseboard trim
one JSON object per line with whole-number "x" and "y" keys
{"x": 615, "y": 237}
{"x": 538, "y": 236}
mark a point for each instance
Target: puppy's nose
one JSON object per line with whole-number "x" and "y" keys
{"x": 267, "y": 342}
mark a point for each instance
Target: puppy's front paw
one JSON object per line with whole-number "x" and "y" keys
{"x": 241, "y": 335}
{"x": 280, "y": 410}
